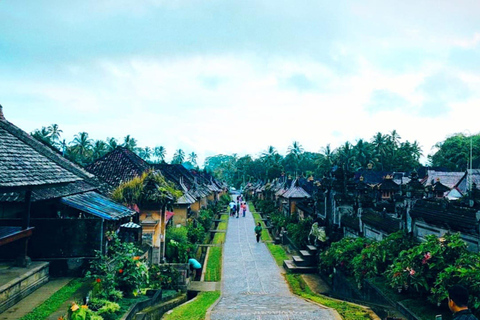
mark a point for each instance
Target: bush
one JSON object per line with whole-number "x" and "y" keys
{"x": 104, "y": 308}
{"x": 163, "y": 276}
{"x": 340, "y": 255}
{"x": 178, "y": 248}
{"x": 416, "y": 269}
{"x": 374, "y": 259}
{"x": 299, "y": 231}
{"x": 195, "y": 234}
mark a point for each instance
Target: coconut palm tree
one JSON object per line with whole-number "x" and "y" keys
{"x": 295, "y": 151}
{"x": 99, "y": 149}
{"x": 145, "y": 153}
{"x": 192, "y": 158}
{"x": 160, "y": 153}
{"x": 43, "y": 135}
{"x": 112, "y": 144}
{"x": 130, "y": 143}
{"x": 81, "y": 147}
{"x": 55, "y": 133}
{"x": 178, "y": 157}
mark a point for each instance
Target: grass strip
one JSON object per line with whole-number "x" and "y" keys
{"x": 346, "y": 310}
{"x": 214, "y": 265}
{"x": 222, "y": 225}
{"x": 52, "y": 304}
{"x": 219, "y": 238}
{"x": 196, "y": 309}
{"x": 278, "y": 253}
{"x": 265, "y": 234}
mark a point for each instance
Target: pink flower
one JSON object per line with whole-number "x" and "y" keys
{"x": 412, "y": 272}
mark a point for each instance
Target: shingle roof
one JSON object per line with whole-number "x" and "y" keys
{"x": 118, "y": 166}
{"x": 447, "y": 215}
{"x": 25, "y": 161}
{"x": 449, "y": 179}
{"x": 49, "y": 193}
{"x": 295, "y": 191}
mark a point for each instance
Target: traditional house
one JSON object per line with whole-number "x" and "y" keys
{"x": 438, "y": 217}
{"x": 292, "y": 196}
{"x": 56, "y": 197}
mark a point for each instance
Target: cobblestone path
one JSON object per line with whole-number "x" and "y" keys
{"x": 253, "y": 287}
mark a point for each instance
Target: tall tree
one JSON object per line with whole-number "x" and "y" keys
{"x": 192, "y": 158}
{"x": 145, "y": 153}
{"x": 130, "y": 143}
{"x": 160, "y": 153}
{"x": 178, "y": 157}
{"x": 112, "y": 144}
{"x": 99, "y": 149}
{"x": 43, "y": 135}
{"x": 55, "y": 133}
{"x": 81, "y": 147}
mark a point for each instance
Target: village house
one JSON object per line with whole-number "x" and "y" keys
{"x": 52, "y": 216}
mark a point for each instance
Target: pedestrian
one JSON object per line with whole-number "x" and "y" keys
{"x": 194, "y": 266}
{"x": 458, "y": 303}
{"x": 238, "y": 209}
{"x": 258, "y": 231}
{"x": 234, "y": 209}
{"x": 244, "y": 208}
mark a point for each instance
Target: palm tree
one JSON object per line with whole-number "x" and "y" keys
{"x": 99, "y": 149}
{"x": 296, "y": 151}
{"x": 43, "y": 135}
{"x": 55, "y": 133}
{"x": 130, "y": 143}
{"x": 145, "y": 153}
{"x": 380, "y": 147}
{"x": 160, "y": 153}
{"x": 81, "y": 147}
{"x": 112, "y": 144}
{"x": 178, "y": 157}
{"x": 192, "y": 157}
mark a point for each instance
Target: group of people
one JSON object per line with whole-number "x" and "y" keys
{"x": 237, "y": 207}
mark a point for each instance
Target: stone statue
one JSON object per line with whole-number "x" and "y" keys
{"x": 318, "y": 233}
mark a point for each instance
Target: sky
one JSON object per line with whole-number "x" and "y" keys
{"x": 222, "y": 77}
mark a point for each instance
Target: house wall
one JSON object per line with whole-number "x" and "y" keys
{"x": 196, "y": 206}
{"x": 422, "y": 229}
{"x": 372, "y": 233}
{"x": 180, "y": 216}
{"x": 155, "y": 215}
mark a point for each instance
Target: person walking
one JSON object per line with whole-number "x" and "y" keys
{"x": 258, "y": 231}
{"x": 238, "y": 209}
{"x": 458, "y": 303}
{"x": 244, "y": 208}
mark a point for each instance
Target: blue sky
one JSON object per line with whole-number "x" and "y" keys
{"x": 237, "y": 76}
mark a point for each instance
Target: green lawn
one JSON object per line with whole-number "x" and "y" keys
{"x": 55, "y": 301}
{"x": 214, "y": 265}
{"x": 346, "y": 310}
{"x": 196, "y": 309}
{"x": 278, "y": 253}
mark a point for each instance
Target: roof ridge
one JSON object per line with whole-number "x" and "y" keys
{"x": 45, "y": 151}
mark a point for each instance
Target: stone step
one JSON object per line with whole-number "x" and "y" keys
{"x": 292, "y": 267}
{"x": 300, "y": 262}
{"x": 312, "y": 249}
{"x": 306, "y": 255}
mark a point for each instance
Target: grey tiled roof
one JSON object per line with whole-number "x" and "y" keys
{"x": 26, "y": 162}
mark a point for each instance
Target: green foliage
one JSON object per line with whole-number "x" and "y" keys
{"x": 454, "y": 152}
{"x": 224, "y": 200}
{"x": 120, "y": 269}
{"x": 150, "y": 187}
{"x": 163, "y": 276}
{"x": 104, "y": 308}
{"x": 298, "y": 231}
{"x": 374, "y": 259}
{"x": 416, "y": 269}
{"x": 195, "y": 234}
{"x": 340, "y": 254}
{"x": 196, "y": 309}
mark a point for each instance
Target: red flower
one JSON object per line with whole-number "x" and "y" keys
{"x": 98, "y": 280}
{"x": 120, "y": 271}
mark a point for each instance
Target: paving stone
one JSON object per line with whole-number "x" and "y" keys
{"x": 253, "y": 287}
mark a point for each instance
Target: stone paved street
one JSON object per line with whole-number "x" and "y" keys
{"x": 253, "y": 287}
